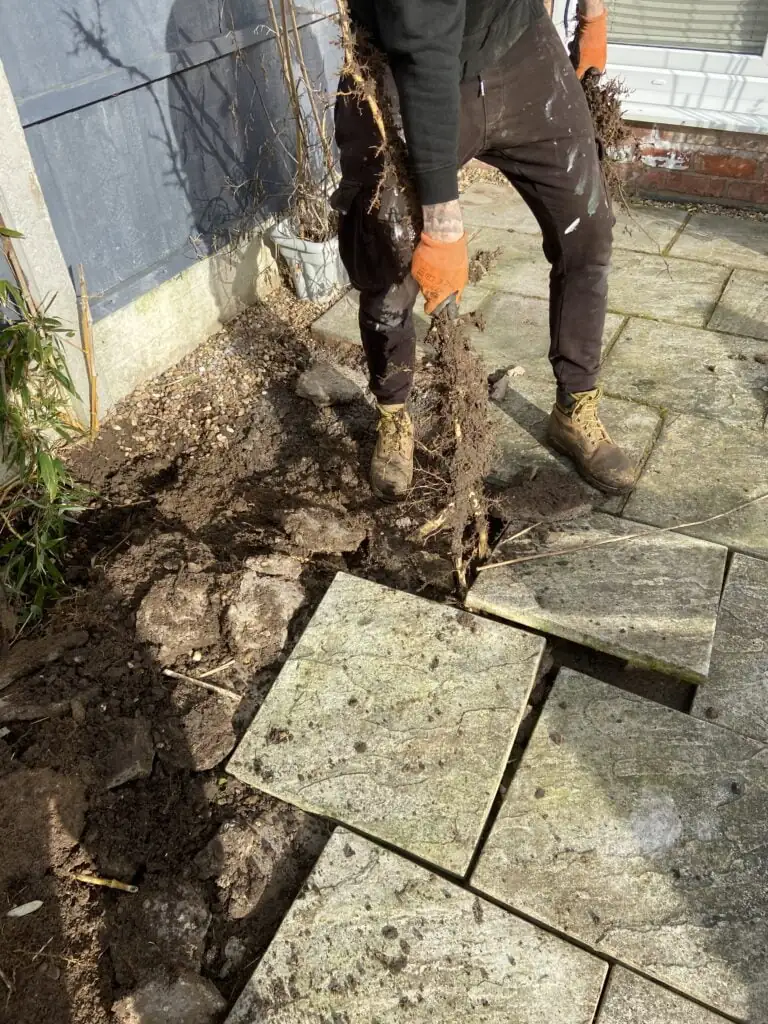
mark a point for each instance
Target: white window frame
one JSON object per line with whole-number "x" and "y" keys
{"x": 701, "y": 88}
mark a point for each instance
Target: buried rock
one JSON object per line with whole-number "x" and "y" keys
{"x": 324, "y": 384}
{"x": 201, "y": 736}
{"x": 260, "y": 613}
{"x": 162, "y": 927}
{"x": 179, "y": 614}
{"x": 318, "y": 529}
{"x": 131, "y": 754}
{"x": 187, "y": 999}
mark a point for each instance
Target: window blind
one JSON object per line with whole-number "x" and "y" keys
{"x": 729, "y": 26}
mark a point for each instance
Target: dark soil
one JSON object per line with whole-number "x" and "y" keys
{"x": 111, "y": 768}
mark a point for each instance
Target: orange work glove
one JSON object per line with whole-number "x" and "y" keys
{"x": 441, "y": 269}
{"x": 591, "y": 44}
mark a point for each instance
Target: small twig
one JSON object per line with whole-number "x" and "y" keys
{"x": 107, "y": 883}
{"x": 86, "y": 331}
{"x": 199, "y": 682}
{"x": 7, "y": 983}
{"x": 43, "y": 948}
{"x": 215, "y": 671}
{"x": 619, "y": 540}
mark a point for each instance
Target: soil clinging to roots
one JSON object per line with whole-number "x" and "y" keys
{"x": 604, "y": 99}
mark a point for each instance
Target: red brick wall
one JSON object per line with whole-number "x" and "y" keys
{"x": 670, "y": 162}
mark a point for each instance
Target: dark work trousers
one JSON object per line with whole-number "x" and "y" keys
{"x": 528, "y": 117}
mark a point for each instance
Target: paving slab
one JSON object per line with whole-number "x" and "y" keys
{"x": 640, "y": 831}
{"x": 721, "y": 376}
{"x": 520, "y": 266}
{"x": 701, "y": 468}
{"x": 517, "y": 334}
{"x": 520, "y": 422}
{"x": 743, "y": 309}
{"x": 646, "y": 228}
{"x": 652, "y": 600}
{"x": 732, "y": 241}
{"x": 663, "y": 288}
{"x": 736, "y": 694}
{"x": 375, "y": 939}
{"x": 396, "y": 716}
{"x": 630, "y": 999}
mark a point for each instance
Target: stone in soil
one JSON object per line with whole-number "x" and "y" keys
{"x": 640, "y": 831}
{"x": 652, "y": 600}
{"x": 275, "y": 563}
{"x": 179, "y": 614}
{"x": 260, "y": 613}
{"x": 732, "y": 241}
{"x": 658, "y": 287}
{"x": 186, "y": 999}
{"x": 630, "y": 999}
{"x": 720, "y": 376}
{"x": 42, "y": 814}
{"x": 701, "y": 468}
{"x": 164, "y": 925}
{"x": 257, "y": 863}
{"x": 376, "y": 938}
{"x": 131, "y": 753}
{"x": 520, "y": 422}
{"x": 396, "y": 716}
{"x": 325, "y": 384}
{"x": 736, "y": 693}
{"x": 318, "y": 529}
{"x": 743, "y": 308}
{"x": 201, "y": 736}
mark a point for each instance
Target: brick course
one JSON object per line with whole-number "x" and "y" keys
{"x": 691, "y": 163}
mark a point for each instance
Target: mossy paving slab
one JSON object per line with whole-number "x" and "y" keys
{"x": 701, "y": 468}
{"x": 736, "y": 694}
{"x": 396, "y": 716}
{"x": 663, "y": 288}
{"x": 652, "y": 600}
{"x": 630, "y": 999}
{"x": 374, "y": 939}
{"x": 520, "y": 431}
{"x": 719, "y": 376}
{"x": 640, "y": 831}
{"x": 732, "y": 241}
{"x": 743, "y": 309}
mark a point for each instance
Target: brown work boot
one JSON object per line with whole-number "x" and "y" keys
{"x": 575, "y": 430}
{"x": 392, "y": 462}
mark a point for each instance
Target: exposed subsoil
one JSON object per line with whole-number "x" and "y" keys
{"x": 228, "y": 492}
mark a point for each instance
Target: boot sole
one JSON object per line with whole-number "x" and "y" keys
{"x": 586, "y": 475}
{"x": 388, "y": 499}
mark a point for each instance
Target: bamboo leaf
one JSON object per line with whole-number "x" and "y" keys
{"x": 10, "y": 233}
{"x": 46, "y": 464}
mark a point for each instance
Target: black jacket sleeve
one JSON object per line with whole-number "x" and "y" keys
{"x": 423, "y": 40}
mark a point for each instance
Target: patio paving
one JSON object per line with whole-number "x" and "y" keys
{"x": 640, "y": 831}
{"x": 736, "y": 694}
{"x": 652, "y": 600}
{"x": 630, "y": 999}
{"x": 635, "y": 830}
{"x": 396, "y": 716}
{"x": 376, "y": 939}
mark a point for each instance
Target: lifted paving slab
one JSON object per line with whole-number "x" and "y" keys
{"x": 652, "y": 600}
{"x": 743, "y": 309}
{"x": 520, "y": 427}
{"x": 374, "y": 939}
{"x": 732, "y": 241}
{"x": 700, "y": 468}
{"x": 736, "y": 694}
{"x": 396, "y": 716}
{"x": 670, "y": 366}
{"x": 630, "y": 999}
{"x": 640, "y": 831}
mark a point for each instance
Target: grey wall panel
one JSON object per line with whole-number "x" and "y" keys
{"x": 142, "y": 183}
{"x": 49, "y": 47}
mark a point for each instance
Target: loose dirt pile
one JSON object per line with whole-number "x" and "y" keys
{"x": 227, "y": 502}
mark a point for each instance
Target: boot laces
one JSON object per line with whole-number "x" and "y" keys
{"x": 394, "y": 429}
{"x": 585, "y": 414}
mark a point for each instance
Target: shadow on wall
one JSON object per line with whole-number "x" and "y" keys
{"x": 217, "y": 140}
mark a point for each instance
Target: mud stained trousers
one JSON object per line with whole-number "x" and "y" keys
{"x": 527, "y": 116}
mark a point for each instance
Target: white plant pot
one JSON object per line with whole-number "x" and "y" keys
{"x": 315, "y": 267}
